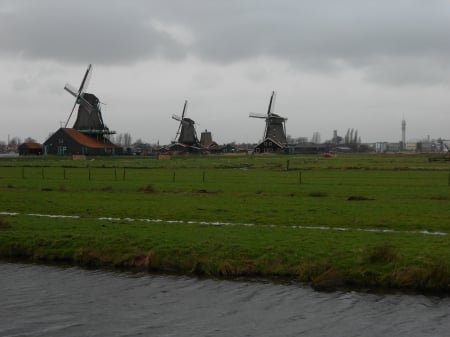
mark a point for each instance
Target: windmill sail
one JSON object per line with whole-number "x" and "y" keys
{"x": 271, "y": 103}
{"x": 71, "y": 90}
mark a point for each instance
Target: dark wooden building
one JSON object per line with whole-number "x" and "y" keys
{"x": 270, "y": 145}
{"x": 30, "y": 149}
{"x": 68, "y": 141}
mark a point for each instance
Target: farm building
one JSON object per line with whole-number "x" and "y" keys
{"x": 68, "y": 141}
{"x": 30, "y": 149}
{"x": 270, "y": 145}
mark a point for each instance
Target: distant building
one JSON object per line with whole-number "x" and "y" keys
{"x": 270, "y": 145}
{"x": 207, "y": 143}
{"x": 381, "y": 147}
{"x": 410, "y": 146}
{"x": 308, "y": 148}
{"x": 426, "y": 146}
{"x": 68, "y": 141}
{"x": 30, "y": 149}
{"x": 206, "y": 139}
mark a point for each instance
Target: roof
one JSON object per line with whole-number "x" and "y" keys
{"x": 86, "y": 140}
{"x": 271, "y": 140}
{"x": 33, "y": 146}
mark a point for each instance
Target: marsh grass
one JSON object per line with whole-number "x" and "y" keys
{"x": 282, "y": 217}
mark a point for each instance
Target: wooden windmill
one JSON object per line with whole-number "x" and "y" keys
{"x": 186, "y": 133}
{"x": 275, "y": 130}
{"x": 89, "y": 118}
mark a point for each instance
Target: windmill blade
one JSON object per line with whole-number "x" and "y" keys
{"x": 176, "y": 117}
{"x": 271, "y": 103}
{"x": 68, "y": 119}
{"x": 257, "y": 115}
{"x": 69, "y": 88}
{"x": 86, "y": 78}
{"x": 184, "y": 109}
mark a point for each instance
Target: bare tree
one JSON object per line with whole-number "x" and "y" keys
{"x": 315, "y": 139}
{"x": 127, "y": 139}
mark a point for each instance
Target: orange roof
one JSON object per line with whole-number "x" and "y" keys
{"x": 33, "y": 146}
{"x": 86, "y": 140}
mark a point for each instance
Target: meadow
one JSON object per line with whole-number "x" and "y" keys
{"x": 361, "y": 221}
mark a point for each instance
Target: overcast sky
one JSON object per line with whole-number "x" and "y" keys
{"x": 335, "y": 65}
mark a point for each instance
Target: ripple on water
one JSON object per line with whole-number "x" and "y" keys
{"x": 51, "y": 301}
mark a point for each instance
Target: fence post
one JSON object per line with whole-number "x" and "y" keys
{"x": 203, "y": 178}
{"x": 173, "y": 177}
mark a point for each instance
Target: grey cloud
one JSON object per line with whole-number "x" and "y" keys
{"x": 321, "y": 35}
{"x": 324, "y": 35}
{"x": 82, "y": 31}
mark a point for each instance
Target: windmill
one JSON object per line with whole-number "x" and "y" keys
{"x": 186, "y": 133}
{"x": 275, "y": 129}
{"x": 89, "y": 119}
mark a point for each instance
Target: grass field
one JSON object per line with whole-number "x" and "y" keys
{"x": 371, "y": 221}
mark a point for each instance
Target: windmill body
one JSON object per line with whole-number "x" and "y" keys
{"x": 89, "y": 115}
{"x": 275, "y": 129}
{"x": 274, "y": 137}
{"x": 186, "y": 134}
{"x": 89, "y": 118}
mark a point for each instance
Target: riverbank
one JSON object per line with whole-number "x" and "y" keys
{"x": 326, "y": 258}
{"x": 367, "y": 222}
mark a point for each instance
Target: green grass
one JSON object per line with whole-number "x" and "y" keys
{"x": 288, "y": 211}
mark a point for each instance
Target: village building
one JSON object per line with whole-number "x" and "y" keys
{"x": 26, "y": 149}
{"x": 68, "y": 141}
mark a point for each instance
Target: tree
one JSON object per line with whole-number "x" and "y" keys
{"x": 15, "y": 141}
{"x": 315, "y": 139}
{"x": 126, "y": 139}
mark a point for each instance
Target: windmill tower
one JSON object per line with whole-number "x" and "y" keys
{"x": 275, "y": 130}
{"x": 186, "y": 133}
{"x": 89, "y": 118}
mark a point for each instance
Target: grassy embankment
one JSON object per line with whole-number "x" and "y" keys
{"x": 311, "y": 222}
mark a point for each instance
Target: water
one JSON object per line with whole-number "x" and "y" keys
{"x": 53, "y": 301}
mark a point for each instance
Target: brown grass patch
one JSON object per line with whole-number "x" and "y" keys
{"x": 5, "y": 225}
{"x": 330, "y": 280}
{"x": 317, "y": 194}
{"x": 380, "y": 253}
{"x": 358, "y": 198}
{"x": 147, "y": 189}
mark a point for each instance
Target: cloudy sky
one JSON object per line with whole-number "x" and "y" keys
{"x": 335, "y": 65}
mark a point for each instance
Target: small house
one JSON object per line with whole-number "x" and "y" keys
{"x": 68, "y": 141}
{"x": 27, "y": 149}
